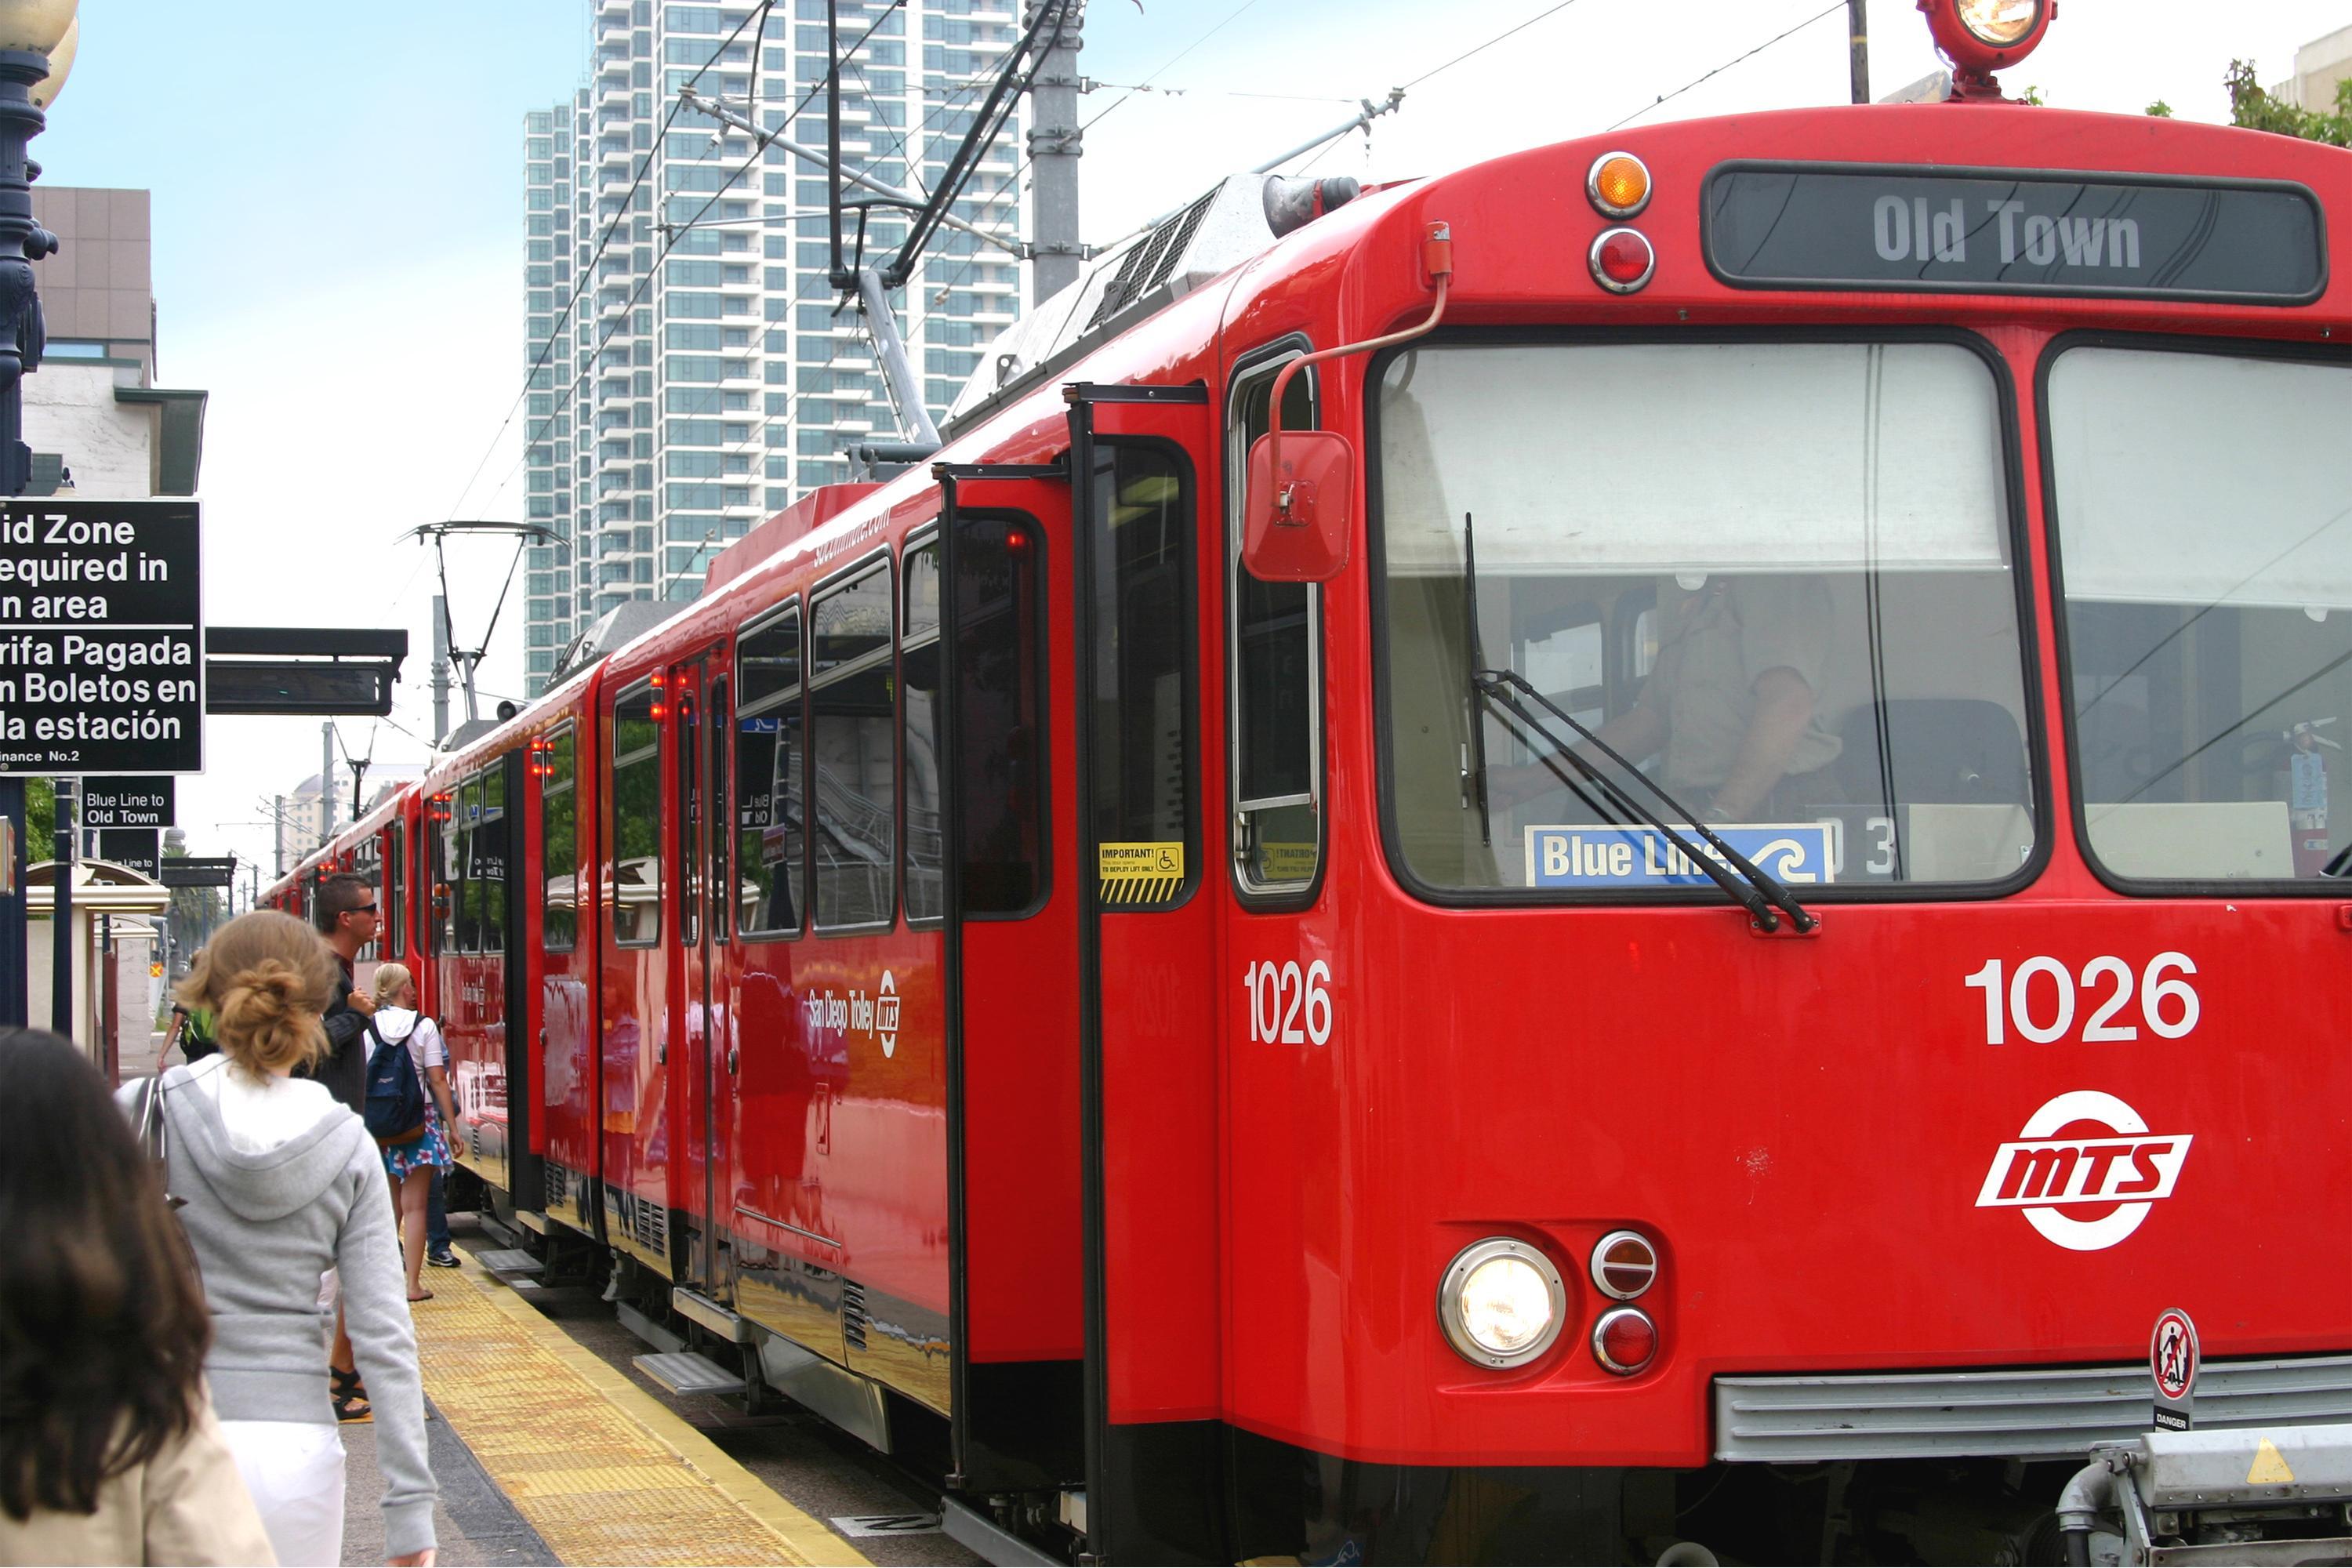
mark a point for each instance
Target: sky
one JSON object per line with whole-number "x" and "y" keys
{"x": 338, "y": 212}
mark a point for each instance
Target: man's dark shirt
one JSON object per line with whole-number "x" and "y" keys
{"x": 344, "y": 1070}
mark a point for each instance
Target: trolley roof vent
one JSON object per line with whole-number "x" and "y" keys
{"x": 1219, "y": 231}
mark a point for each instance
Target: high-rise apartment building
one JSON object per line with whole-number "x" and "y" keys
{"x": 708, "y": 374}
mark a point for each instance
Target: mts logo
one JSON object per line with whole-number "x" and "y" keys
{"x": 2081, "y": 1171}
{"x": 2127, "y": 1169}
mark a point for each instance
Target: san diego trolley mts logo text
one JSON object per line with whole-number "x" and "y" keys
{"x": 2124, "y": 1172}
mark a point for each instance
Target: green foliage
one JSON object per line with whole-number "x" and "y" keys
{"x": 2159, "y": 109}
{"x": 2255, "y": 109}
{"x": 40, "y": 819}
{"x": 2033, "y": 97}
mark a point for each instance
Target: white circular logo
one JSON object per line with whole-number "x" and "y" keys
{"x": 886, "y": 1017}
{"x": 2088, "y": 1235}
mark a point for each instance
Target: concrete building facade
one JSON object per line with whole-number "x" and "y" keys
{"x": 706, "y": 377}
{"x": 2319, "y": 66}
{"x": 94, "y": 407}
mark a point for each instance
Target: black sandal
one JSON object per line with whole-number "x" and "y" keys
{"x": 351, "y": 1398}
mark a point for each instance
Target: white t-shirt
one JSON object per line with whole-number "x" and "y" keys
{"x": 261, "y": 1113}
{"x": 425, "y": 1047}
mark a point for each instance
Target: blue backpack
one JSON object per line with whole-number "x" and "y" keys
{"x": 395, "y": 1096}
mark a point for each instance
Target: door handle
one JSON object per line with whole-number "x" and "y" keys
{"x": 734, "y": 1055}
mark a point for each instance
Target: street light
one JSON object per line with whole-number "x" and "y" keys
{"x": 37, "y": 39}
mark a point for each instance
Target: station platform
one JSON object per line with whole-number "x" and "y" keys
{"x": 550, "y": 1449}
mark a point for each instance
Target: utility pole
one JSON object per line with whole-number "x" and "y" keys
{"x": 326, "y": 783}
{"x": 61, "y": 938}
{"x": 277, "y": 834}
{"x": 440, "y": 668}
{"x": 1055, "y": 150}
{"x": 1858, "y": 24}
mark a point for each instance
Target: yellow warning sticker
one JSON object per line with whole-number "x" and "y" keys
{"x": 1286, "y": 862}
{"x": 1139, "y": 873}
{"x": 2270, "y": 1467}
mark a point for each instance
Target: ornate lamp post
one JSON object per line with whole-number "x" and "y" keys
{"x": 37, "y": 38}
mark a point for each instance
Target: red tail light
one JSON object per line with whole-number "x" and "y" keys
{"x": 1622, "y": 261}
{"x": 1624, "y": 1340}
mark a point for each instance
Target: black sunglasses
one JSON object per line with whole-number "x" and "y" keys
{"x": 361, "y": 909}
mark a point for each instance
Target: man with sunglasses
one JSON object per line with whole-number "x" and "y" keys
{"x": 344, "y": 911}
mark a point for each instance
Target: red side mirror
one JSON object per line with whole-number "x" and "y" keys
{"x": 1297, "y": 522}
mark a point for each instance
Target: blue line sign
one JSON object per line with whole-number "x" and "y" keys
{"x": 1598, "y": 856}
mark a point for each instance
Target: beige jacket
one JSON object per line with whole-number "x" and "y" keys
{"x": 186, "y": 1505}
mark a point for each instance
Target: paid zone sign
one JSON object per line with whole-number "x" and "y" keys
{"x": 101, "y": 637}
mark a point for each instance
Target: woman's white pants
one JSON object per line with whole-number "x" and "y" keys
{"x": 295, "y": 1472}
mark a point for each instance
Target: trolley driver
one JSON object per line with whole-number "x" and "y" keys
{"x": 1733, "y": 699}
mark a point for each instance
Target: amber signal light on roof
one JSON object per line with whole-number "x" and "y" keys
{"x": 1617, "y": 184}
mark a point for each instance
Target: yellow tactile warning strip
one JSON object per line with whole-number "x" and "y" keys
{"x": 599, "y": 1467}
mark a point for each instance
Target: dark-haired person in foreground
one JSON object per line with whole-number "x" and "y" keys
{"x": 109, "y": 1449}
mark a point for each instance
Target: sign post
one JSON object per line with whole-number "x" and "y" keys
{"x": 101, "y": 665}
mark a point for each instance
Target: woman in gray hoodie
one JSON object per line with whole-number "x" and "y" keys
{"x": 281, "y": 1184}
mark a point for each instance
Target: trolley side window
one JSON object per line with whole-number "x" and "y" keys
{"x": 2202, "y": 513}
{"x": 770, "y": 858}
{"x": 853, "y": 735}
{"x": 490, "y": 872}
{"x": 722, "y": 914}
{"x": 558, "y": 834}
{"x": 1143, "y": 594}
{"x": 396, "y": 889}
{"x": 918, "y": 658}
{"x": 462, "y": 928}
{"x": 1808, "y": 548}
{"x": 1275, "y": 661}
{"x": 686, "y": 740}
{"x": 633, "y": 875}
{"x": 366, "y": 863}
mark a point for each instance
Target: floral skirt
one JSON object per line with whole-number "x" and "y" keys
{"x": 432, "y": 1149}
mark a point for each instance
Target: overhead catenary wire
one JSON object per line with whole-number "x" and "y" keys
{"x": 1668, "y": 97}
{"x": 1482, "y": 49}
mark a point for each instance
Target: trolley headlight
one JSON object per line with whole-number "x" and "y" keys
{"x": 1998, "y": 23}
{"x": 1501, "y": 1303}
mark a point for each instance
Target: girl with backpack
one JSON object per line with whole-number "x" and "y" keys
{"x": 408, "y": 1107}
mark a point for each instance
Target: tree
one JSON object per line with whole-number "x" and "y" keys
{"x": 40, "y": 818}
{"x": 2255, "y": 109}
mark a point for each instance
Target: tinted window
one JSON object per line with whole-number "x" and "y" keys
{"x": 688, "y": 837}
{"x": 1000, "y": 666}
{"x": 769, "y": 832}
{"x": 919, "y": 659}
{"x": 462, "y": 869}
{"x": 634, "y": 872}
{"x": 1835, "y": 678}
{"x": 2204, "y": 521}
{"x": 395, "y": 892}
{"x": 721, "y": 910}
{"x": 852, "y": 745}
{"x": 1277, "y": 715}
{"x": 1140, "y": 686}
{"x": 559, "y": 830}
{"x": 489, "y": 873}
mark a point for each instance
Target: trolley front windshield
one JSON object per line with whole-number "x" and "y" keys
{"x": 1778, "y": 575}
{"x": 2201, "y": 501}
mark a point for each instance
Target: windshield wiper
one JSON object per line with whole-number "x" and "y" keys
{"x": 1755, "y": 889}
